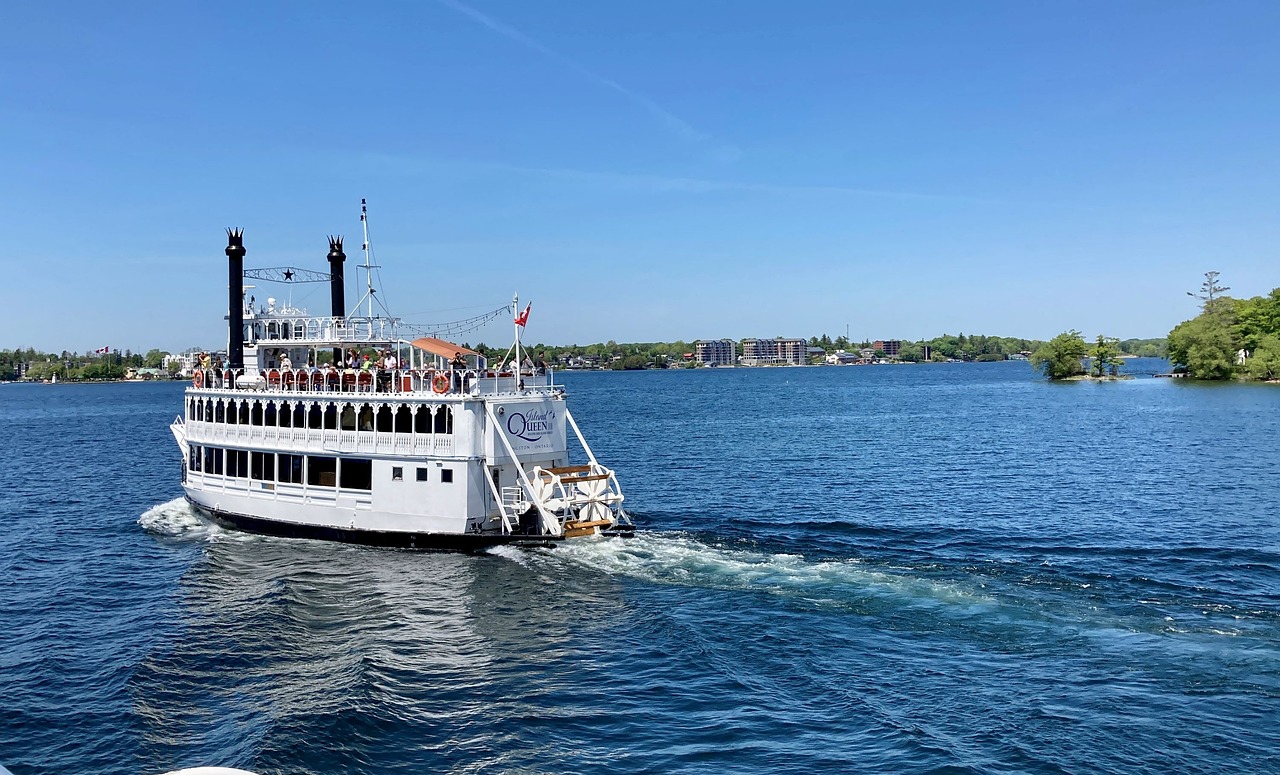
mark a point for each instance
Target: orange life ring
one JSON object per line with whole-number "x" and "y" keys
{"x": 440, "y": 383}
{"x": 198, "y": 379}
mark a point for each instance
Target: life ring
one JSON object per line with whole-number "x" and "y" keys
{"x": 440, "y": 383}
{"x": 198, "y": 379}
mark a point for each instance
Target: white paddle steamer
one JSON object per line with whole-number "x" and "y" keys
{"x": 422, "y": 445}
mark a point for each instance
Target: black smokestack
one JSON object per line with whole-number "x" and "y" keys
{"x": 337, "y": 292}
{"x": 235, "y": 298}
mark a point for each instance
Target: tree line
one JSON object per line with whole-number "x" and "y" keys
{"x": 75, "y": 366}
{"x": 1229, "y": 339}
{"x": 661, "y": 355}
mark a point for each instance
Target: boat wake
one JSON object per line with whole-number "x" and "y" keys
{"x": 674, "y": 558}
{"x": 1009, "y": 599}
{"x": 177, "y": 519}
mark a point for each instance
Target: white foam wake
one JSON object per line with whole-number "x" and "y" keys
{"x": 176, "y": 519}
{"x": 679, "y": 559}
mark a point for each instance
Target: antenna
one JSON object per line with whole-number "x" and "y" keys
{"x": 368, "y": 267}
{"x": 368, "y": 254}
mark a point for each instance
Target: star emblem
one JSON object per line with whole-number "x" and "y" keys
{"x": 288, "y": 274}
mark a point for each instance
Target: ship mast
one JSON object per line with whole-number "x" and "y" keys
{"x": 368, "y": 266}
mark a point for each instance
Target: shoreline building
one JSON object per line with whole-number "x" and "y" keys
{"x": 716, "y": 352}
{"x": 891, "y": 347}
{"x": 771, "y": 352}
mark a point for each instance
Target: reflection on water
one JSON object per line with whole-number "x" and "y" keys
{"x": 281, "y": 636}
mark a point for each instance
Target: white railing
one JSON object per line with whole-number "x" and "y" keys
{"x": 413, "y": 381}
{"x": 317, "y": 440}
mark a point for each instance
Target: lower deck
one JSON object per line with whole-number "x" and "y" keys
{"x": 391, "y": 539}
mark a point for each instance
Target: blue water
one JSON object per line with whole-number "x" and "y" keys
{"x": 932, "y": 569}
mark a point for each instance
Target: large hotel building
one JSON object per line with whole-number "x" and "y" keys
{"x": 716, "y": 352}
{"x": 780, "y": 351}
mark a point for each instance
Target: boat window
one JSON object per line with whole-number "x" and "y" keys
{"x": 208, "y": 411}
{"x": 218, "y": 413}
{"x": 286, "y": 415}
{"x": 244, "y": 412}
{"x": 422, "y": 421}
{"x": 385, "y": 419}
{"x": 299, "y": 416}
{"x": 255, "y": 415}
{"x": 299, "y": 330}
{"x": 191, "y": 410}
{"x": 444, "y": 420}
{"x": 348, "y": 417}
{"x": 446, "y": 475}
{"x": 422, "y": 474}
{"x": 331, "y": 417}
{"x": 314, "y": 417}
{"x": 213, "y": 460}
{"x": 397, "y": 474}
{"x": 289, "y": 468}
{"x": 404, "y": 420}
{"x": 366, "y": 417}
{"x": 321, "y": 471}
{"x": 262, "y": 466}
{"x": 237, "y": 463}
{"x": 269, "y": 415}
{"x": 273, "y": 331}
{"x": 355, "y": 474}
{"x": 194, "y": 463}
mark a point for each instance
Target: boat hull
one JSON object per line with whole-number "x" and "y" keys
{"x": 389, "y": 539}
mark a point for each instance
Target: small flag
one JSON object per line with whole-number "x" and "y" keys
{"x": 102, "y": 350}
{"x": 523, "y": 317}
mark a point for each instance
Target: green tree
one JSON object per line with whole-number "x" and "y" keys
{"x": 1265, "y": 362}
{"x": 911, "y": 352}
{"x": 1210, "y": 293}
{"x": 1255, "y": 318}
{"x": 1105, "y": 356}
{"x": 1061, "y": 356}
{"x": 1203, "y": 346}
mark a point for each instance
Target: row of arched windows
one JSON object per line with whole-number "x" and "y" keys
{"x": 330, "y": 415}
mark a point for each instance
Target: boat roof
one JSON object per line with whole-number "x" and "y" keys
{"x": 441, "y": 347}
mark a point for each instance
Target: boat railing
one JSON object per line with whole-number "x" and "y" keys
{"x": 331, "y": 380}
{"x": 323, "y": 440}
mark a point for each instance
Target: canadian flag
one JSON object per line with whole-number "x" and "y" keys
{"x": 523, "y": 317}
{"x": 102, "y": 350}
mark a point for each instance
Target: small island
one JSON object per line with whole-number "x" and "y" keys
{"x": 1230, "y": 339}
{"x": 1062, "y": 358}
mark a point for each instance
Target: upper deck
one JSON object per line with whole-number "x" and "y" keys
{"x": 373, "y": 382}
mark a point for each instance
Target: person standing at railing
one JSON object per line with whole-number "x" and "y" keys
{"x": 389, "y": 364}
{"x": 285, "y": 363}
{"x": 457, "y": 365}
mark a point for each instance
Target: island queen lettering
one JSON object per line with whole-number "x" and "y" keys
{"x": 532, "y": 426}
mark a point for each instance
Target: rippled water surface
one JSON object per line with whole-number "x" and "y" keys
{"x": 954, "y": 568}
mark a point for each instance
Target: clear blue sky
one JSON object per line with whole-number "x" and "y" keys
{"x": 642, "y": 170}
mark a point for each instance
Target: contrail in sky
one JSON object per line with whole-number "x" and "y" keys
{"x": 672, "y": 121}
